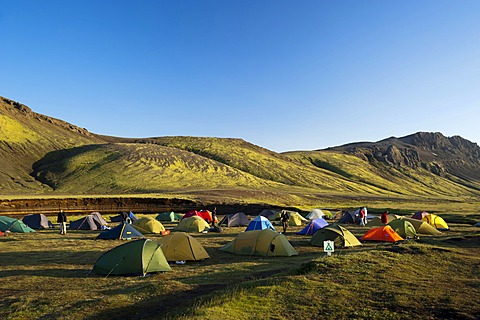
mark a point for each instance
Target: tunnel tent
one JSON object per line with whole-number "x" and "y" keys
{"x": 37, "y": 221}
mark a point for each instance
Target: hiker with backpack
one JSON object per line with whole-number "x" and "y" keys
{"x": 284, "y": 217}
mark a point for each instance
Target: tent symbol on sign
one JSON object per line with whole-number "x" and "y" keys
{"x": 328, "y": 247}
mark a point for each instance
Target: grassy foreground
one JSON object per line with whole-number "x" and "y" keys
{"x": 44, "y": 276}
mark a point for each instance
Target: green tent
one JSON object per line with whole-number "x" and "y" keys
{"x": 169, "y": 216}
{"x": 336, "y": 233}
{"x": 421, "y": 226}
{"x": 403, "y": 227}
{"x": 137, "y": 257}
{"x": 13, "y": 225}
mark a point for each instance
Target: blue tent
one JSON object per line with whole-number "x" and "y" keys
{"x": 122, "y": 231}
{"x": 313, "y": 226}
{"x": 259, "y": 223}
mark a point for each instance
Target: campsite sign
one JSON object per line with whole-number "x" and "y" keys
{"x": 328, "y": 247}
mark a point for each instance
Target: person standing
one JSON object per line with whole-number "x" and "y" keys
{"x": 361, "y": 217}
{"x": 284, "y": 217}
{"x": 384, "y": 217}
{"x": 214, "y": 216}
{"x": 365, "y": 221}
{"x": 62, "y": 219}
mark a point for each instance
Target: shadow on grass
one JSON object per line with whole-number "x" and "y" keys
{"x": 53, "y": 273}
{"x": 42, "y": 258}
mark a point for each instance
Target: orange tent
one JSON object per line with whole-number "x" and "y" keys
{"x": 386, "y": 234}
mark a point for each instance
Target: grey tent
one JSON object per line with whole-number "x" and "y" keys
{"x": 37, "y": 221}
{"x": 87, "y": 223}
{"x": 267, "y": 213}
{"x": 238, "y": 219}
{"x": 348, "y": 217}
{"x": 98, "y": 219}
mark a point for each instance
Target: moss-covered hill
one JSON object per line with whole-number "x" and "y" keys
{"x": 26, "y": 137}
{"x": 45, "y": 155}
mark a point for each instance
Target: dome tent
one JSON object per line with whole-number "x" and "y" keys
{"x": 148, "y": 225}
{"x": 13, "y": 225}
{"x": 336, "y": 233}
{"x": 419, "y": 215}
{"x": 385, "y": 234}
{"x": 313, "y": 226}
{"x": 137, "y": 257}
{"x": 422, "y": 227}
{"x": 179, "y": 246}
{"x": 169, "y": 216}
{"x": 204, "y": 214}
{"x": 295, "y": 219}
{"x": 315, "y": 213}
{"x": 436, "y": 222}
{"x": 264, "y": 242}
{"x": 192, "y": 224}
{"x": 259, "y": 223}
{"x": 123, "y": 231}
{"x": 403, "y": 227}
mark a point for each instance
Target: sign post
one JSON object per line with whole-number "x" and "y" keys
{"x": 328, "y": 247}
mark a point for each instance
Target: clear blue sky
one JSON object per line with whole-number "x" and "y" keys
{"x": 285, "y": 75}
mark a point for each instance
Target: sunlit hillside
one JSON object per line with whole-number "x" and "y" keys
{"x": 26, "y": 137}
{"x": 43, "y": 155}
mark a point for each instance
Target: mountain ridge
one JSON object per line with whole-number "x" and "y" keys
{"x": 44, "y": 155}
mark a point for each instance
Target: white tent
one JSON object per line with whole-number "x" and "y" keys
{"x": 316, "y": 213}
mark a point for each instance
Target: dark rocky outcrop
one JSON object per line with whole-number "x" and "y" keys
{"x": 432, "y": 151}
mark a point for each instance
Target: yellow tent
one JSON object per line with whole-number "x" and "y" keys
{"x": 421, "y": 226}
{"x": 295, "y": 219}
{"x": 181, "y": 246}
{"x": 435, "y": 221}
{"x": 192, "y": 224}
{"x": 148, "y": 225}
{"x": 266, "y": 242}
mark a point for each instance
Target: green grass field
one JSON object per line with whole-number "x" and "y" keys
{"x": 45, "y": 276}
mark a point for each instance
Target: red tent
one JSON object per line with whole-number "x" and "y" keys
{"x": 204, "y": 214}
{"x": 386, "y": 234}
